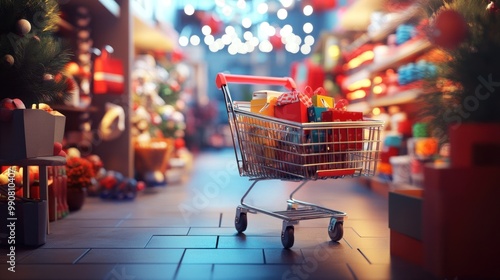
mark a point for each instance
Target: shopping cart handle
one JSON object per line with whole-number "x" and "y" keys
{"x": 222, "y": 80}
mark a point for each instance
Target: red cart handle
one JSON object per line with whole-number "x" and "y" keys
{"x": 222, "y": 80}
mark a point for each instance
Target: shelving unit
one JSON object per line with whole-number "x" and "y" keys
{"x": 116, "y": 23}
{"x": 406, "y": 97}
{"x": 395, "y": 57}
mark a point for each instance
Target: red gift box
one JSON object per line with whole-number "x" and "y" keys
{"x": 108, "y": 75}
{"x": 344, "y": 138}
{"x": 293, "y": 106}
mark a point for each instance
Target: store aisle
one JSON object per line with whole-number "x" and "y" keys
{"x": 186, "y": 231}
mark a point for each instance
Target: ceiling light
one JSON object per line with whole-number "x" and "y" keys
{"x": 308, "y": 27}
{"x": 307, "y": 10}
{"x": 246, "y": 22}
{"x": 282, "y": 14}
{"x": 189, "y": 9}
{"x": 262, "y": 8}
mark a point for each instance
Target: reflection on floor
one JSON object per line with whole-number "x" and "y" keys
{"x": 186, "y": 231}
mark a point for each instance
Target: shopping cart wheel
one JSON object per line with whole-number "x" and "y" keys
{"x": 241, "y": 223}
{"x": 336, "y": 230}
{"x": 287, "y": 237}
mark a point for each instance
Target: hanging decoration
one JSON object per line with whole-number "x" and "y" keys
{"x": 449, "y": 29}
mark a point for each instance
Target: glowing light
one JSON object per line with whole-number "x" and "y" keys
{"x": 246, "y": 22}
{"x": 194, "y": 40}
{"x": 377, "y": 80}
{"x": 286, "y": 3}
{"x": 305, "y": 49}
{"x": 308, "y": 27}
{"x": 230, "y": 30}
{"x": 183, "y": 41}
{"x": 359, "y": 84}
{"x": 206, "y": 30}
{"x": 356, "y": 95}
{"x": 286, "y": 30}
{"x": 377, "y": 89}
{"x": 227, "y": 11}
{"x": 209, "y": 40}
{"x": 262, "y": 8}
{"x": 189, "y": 9}
{"x": 241, "y": 4}
{"x": 308, "y": 10}
{"x": 376, "y": 111}
{"x": 309, "y": 40}
{"x": 265, "y": 46}
{"x": 247, "y": 35}
{"x": 282, "y": 14}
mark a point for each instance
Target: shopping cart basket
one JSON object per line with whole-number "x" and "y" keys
{"x": 271, "y": 148}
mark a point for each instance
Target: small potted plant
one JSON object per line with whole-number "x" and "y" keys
{"x": 80, "y": 172}
{"x": 32, "y": 60}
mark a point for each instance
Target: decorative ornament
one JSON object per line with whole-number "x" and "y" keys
{"x": 23, "y": 27}
{"x": 492, "y": 7}
{"x": 36, "y": 38}
{"x": 8, "y": 60}
{"x": 275, "y": 41}
{"x": 48, "y": 77}
{"x": 449, "y": 29}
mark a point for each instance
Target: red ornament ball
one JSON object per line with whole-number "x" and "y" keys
{"x": 449, "y": 29}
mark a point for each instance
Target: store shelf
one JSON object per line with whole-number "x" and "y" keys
{"x": 401, "y": 54}
{"x": 403, "y": 97}
{"x": 388, "y": 28}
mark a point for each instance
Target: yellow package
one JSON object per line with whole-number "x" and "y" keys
{"x": 323, "y": 101}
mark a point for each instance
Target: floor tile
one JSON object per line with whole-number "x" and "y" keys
{"x": 376, "y": 256}
{"x": 333, "y": 253}
{"x": 108, "y": 237}
{"x": 355, "y": 241}
{"x": 142, "y": 271}
{"x": 132, "y": 256}
{"x": 242, "y": 241}
{"x": 159, "y": 241}
{"x": 229, "y": 231}
{"x": 60, "y": 271}
{"x": 223, "y": 256}
{"x": 250, "y": 271}
{"x": 194, "y": 272}
{"x": 283, "y": 256}
{"x": 53, "y": 256}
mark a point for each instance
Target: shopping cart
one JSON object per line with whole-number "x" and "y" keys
{"x": 271, "y": 148}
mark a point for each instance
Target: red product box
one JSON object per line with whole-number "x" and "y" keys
{"x": 296, "y": 112}
{"x": 347, "y": 138}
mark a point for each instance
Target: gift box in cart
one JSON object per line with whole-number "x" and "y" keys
{"x": 298, "y": 154}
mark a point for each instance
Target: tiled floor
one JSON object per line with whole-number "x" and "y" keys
{"x": 186, "y": 231}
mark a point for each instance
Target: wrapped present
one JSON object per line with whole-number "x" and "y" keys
{"x": 345, "y": 139}
{"x": 263, "y": 102}
{"x": 314, "y": 113}
{"x": 319, "y": 98}
{"x": 108, "y": 74}
{"x": 293, "y": 106}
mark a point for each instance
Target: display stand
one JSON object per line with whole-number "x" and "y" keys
{"x": 42, "y": 163}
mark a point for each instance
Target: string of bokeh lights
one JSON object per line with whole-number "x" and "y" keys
{"x": 248, "y": 34}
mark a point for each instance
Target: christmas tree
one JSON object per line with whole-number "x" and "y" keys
{"x": 468, "y": 86}
{"x": 31, "y": 57}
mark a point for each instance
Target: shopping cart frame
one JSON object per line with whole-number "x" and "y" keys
{"x": 268, "y": 148}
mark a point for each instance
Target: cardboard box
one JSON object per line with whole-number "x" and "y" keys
{"x": 31, "y": 133}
